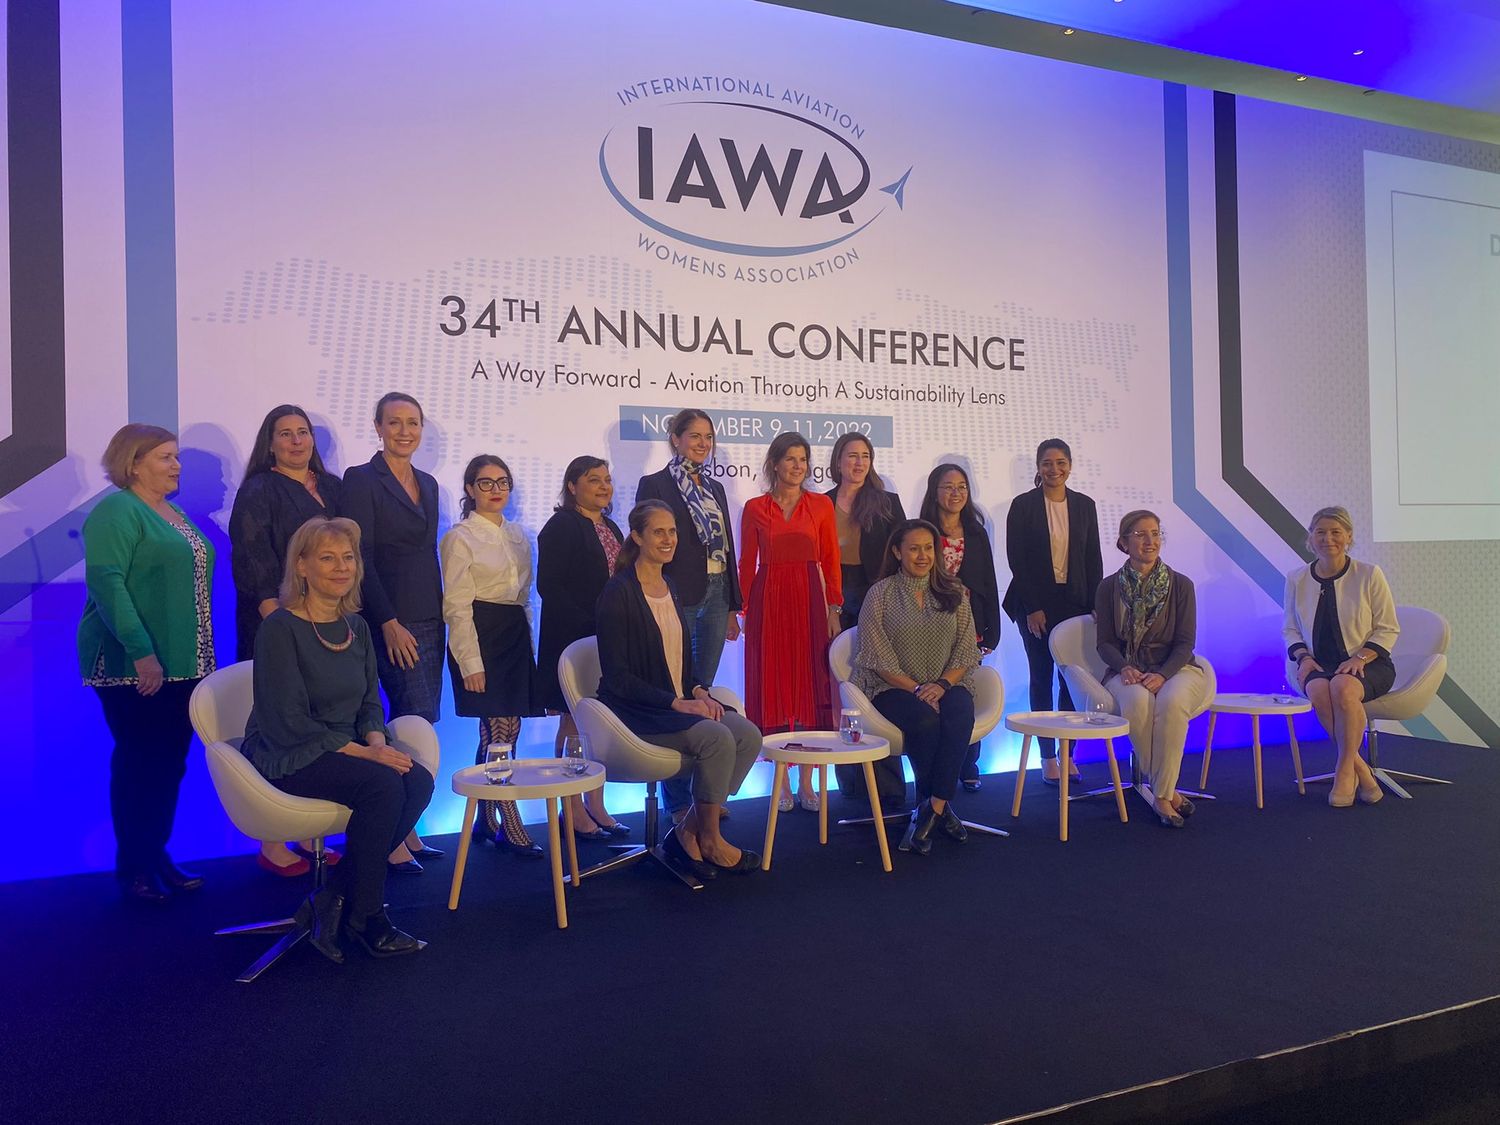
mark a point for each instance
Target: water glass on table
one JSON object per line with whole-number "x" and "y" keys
{"x": 851, "y": 725}
{"x": 1100, "y": 714}
{"x": 499, "y": 762}
{"x": 575, "y": 757}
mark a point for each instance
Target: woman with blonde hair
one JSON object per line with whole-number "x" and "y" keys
{"x": 317, "y": 730}
{"x": 1339, "y": 625}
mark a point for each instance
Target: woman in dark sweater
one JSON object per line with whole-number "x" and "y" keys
{"x": 865, "y": 513}
{"x": 647, "y": 680}
{"x": 285, "y": 485}
{"x": 1052, "y": 545}
{"x": 1148, "y": 620}
{"x": 964, "y": 551}
{"x": 316, "y": 730}
{"x": 575, "y": 556}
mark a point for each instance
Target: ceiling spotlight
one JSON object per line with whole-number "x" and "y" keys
{"x": 1301, "y": 78}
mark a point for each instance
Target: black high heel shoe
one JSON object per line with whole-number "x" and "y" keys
{"x": 176, "y": 878}
{"x": 512, "y": 836}
{"x": 322, "y": 912}
{"x": 379, "y": 938}
{"x": 146, "y": 888}
{"x": 918, "y": 836}
{"x": 954, "y": 828}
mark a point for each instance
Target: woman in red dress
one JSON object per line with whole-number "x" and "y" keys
{"x": 789, "y": 568}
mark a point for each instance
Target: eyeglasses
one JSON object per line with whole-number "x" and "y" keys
{"x": 493, "y": 484}
{"x": 1148, "y": 536}
{"x": 955, "y": 489}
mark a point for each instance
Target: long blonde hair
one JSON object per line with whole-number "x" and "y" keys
{"x": 304, "y": 542}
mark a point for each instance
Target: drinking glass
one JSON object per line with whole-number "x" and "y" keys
{"x": 851, "y": 725}
{"x": 1285, "y": 695}
{"x": 499, "y": 762}
{"x": 1100, "y": 715}
{"x": 575, "y": 754}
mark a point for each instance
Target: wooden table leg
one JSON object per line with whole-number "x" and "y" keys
{"x": 822, "y": 804}
{"x": 1114, "y": 776}
{"x": 1015, "y": 806}
{"x": 778, "y": 780}
{"x": 1064, "y": 768}
{"x": 1291, "y": 733}
{"x": 567, "y": 805}
{"x": 463, "y": 853}
{"x": 554, "y": 853}
{"x": 1260, "y": 797}
{"x": 885, "y": 847}
{"x": 1208, "y": 749}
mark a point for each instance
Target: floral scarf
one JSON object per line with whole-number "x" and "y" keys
{"x": 1142, "y": 596}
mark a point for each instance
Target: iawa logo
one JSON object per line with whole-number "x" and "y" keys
{"x": 758, "y": 185}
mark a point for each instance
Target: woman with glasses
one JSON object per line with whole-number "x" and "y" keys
{"x": 1052, "y": 545}
{"x": 486, "y": 606}
{"x": 1340, "y": 626}
{"x": 965, "y": 553}
{"x": 1148, "y": 621}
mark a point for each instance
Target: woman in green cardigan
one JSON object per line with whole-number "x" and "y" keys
{"x": 145, "y": 641}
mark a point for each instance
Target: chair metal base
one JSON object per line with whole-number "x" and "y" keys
{"x": 628, "y": 855}
{"x": 972, "y": 826}
{"x": 288, "y": 927}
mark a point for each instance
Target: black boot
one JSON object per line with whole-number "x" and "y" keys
{"x": 322, "y": 913}
{"x": 954, "y": 828}
{"x": 377, "y": 937}
{"x": 918, "y": 836}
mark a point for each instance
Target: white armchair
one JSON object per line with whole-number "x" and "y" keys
{"x": 1421, "y": 659}
{"x": 989, "y": 705}
{"x": 1075, "y": 649}
{"x": 624, "y": 756}
{"x": 219, "y": 709}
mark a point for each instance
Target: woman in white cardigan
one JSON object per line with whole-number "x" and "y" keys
{"x": 1339, "y": 626}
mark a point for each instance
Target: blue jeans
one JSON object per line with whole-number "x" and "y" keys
{"x": 708, "y": 622}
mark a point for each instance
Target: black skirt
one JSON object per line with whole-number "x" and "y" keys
{"x": 510, "y": 686}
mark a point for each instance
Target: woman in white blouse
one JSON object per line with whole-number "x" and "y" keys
{"x": 1339, "y": 626}
{"x": 486, "y": 605}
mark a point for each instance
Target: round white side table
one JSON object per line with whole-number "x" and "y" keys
{"x": 823, "y": 748}
{"x": 1254, "y": 705}
{"x": 1067, "y": 727}
{"x": 534, "y": 778}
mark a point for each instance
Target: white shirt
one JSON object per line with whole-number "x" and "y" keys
{"x": 1057, "y": 532}
{"x": 481, "y": 563}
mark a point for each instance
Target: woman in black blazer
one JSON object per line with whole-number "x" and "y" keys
{"x": 647, "y": 680}
{"x": 703, "y": 571}
{"x": 865, "y": 513}
{"x": 1052, "y": 544}
{"x": 575, "y": 556}
{"x": 396, "y": 506}
{"x": 285, "y": 485}
{"x": 965, "y": 552}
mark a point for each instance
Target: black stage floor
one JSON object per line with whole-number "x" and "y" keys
{"x": 982, "y": 983}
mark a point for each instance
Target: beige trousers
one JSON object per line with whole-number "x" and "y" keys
{"x": 1158, "y": 724}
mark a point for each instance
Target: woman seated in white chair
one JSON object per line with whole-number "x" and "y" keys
{"x": 317, "y": 730}
{"x": 1147, "y": 618}
{"x": 646, "y": 679}
{"x": 916, "y": 660}
{"x": 1339, "y": 626}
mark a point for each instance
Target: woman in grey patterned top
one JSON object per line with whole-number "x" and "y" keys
{"x": 916, "y": 661}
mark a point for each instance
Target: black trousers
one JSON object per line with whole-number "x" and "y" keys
{"x": 384, "y": 806}
{"x": 936, "y": 742}
{"x": 152, "y": 735}
{"x": 890, "y": 782}
{"x": 1044, "y": 672}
